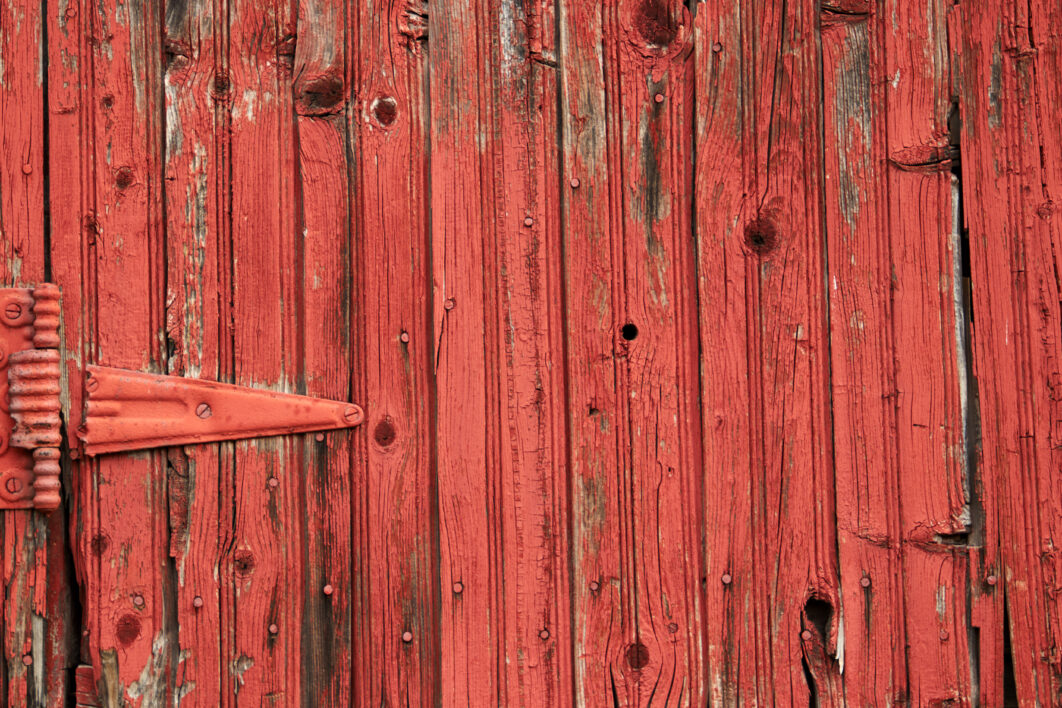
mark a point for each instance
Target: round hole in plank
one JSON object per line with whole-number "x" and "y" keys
{"x": 629, "y": 331}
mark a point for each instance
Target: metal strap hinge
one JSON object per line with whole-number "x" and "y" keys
{"x": 125, "y": 410}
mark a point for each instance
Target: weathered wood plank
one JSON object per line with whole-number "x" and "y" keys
{"x": 464, "y": 268}
{"x": 321, "y": 90}
{"x": 33, "y": 563}
{"x": 897, "y": 359}
{"x": 627, "y": 85}
{"x": 263, "y": 563}
{"x": 529, "y": 356}
{"x": 196, "y": 193}
{"x": 127, "y": 614}
{"x": 772, "y": 575}
{"x": 1009, "y": 61}
{"x": 394, "y": 531}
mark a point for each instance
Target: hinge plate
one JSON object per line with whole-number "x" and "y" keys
{"x": 29, "y": 398}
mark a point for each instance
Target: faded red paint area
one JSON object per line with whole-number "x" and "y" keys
{"x": 708, "y": 351}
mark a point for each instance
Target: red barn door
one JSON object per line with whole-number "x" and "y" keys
{"x": 646, "y": 352}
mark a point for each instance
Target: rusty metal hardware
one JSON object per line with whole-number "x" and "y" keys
{"x": 130, "y": 410}
{"x": 125, "y": 410}
{"x": 29, "y": 396}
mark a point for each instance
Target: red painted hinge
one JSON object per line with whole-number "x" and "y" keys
{"x": 126, "y": 410}
{"x": 29, "y": 433}
{"x": 129, "y": 410}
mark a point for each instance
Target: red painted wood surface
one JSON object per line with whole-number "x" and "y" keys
{"x": 709, "y": 350}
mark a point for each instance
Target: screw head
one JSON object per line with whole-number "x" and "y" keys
{"x": 197, "y": 602}
{"x": 13, "y": 485}
{"x": 350, "y": 414}
{"x": 203, "y": 410}
{"x": 13, "y": 311}
{"x": 864, "y": 581}
{"x": 575, "y": 183}
{"x": 726, "y": 578}
{"x": 407, "y": 636}
{"x": 328, "y": 590}
{"x": 806, "y": 635}
{"x": 273, "y": 629}
{"x": 91, "y": 383}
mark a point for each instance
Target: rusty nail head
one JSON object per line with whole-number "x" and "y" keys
{"x": 13, "y": 311}
{"x": 594, "y": 586}
{"x": 350, "y": 414}
{"x": 575, "y": 183}
{"x": 806, "y": 635}
{"x": 203, "y": 410}
{"x": 27, "y": 659}
{"x": 273, "y": 629}
{"x": 404, "y": 336}
{"x": 659, "y": 98}
{"x": 328, "y": 590}
{"x": 407, "y": 636}
{"x": 943, "y": 635}
{"x": 273, "y": 482}
{"x": 197, "y": 602}
{"x": 865, "y": 581}
{"x": 543, "y": 635}
{"x": 991, "y": 580}
{"x": 449, "y": 305}
{"x": 459, "y": 587}
{"x": 726, "y": 578}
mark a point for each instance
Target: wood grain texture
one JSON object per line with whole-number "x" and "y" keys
{"x": 33, "y": 560}
{"x": 898, "y": 367}
{"x": 662, "y": 315}
{"x": 394, "y": 495}
{"x": 197, "y": 342}
{"x": 1010, "y": 60}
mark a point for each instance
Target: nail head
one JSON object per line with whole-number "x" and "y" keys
{"x": 528, "y": 221}
{"x": 943, "y": 635}
{"x": 273, "y": 482}
{"x": 659, "y": 98}
{"x": 27, "y": 168}
{"x": 806, "y": 635}
{"x": 458, "y": 587}
{"x": 319, "y": 437}
{"x": 273, "y": 629}
{"x": 991, "y": 580}
{"x": 197, "y": 602}
{"x": 27, "y": 660}
{"x": 594, "y": 586}
{"x": 864, "y": 581}
{"x": 404, "y": 336}
{"x": 328, "y": 589}
{"x": 449, "y": 305}
{"x": 575, "y": 183}
{"x": 717, "y": 47}
{"x": 726, "y": 578}
{"x": 407, "y": 636}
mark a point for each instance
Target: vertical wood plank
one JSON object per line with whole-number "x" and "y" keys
{"x": 772, "y": 583}
{"x": 394, "y": 528}
{"x": 264, "y": 563}
{"x": 129, "y": 626}
{"x": 36, "y": 608}
{"x": 195, "y": 175}
{"x": 627, "y": 88}
{"x": 1012, "y": 172}
{"x": 898, "y": 365}
{"x": 466, "y": 338}
{"x": 529, "y": 356}
{"x": 321, "y": 90}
